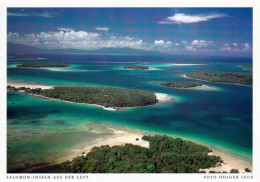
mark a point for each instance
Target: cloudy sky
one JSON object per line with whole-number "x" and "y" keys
{"x": 193, "y": 31}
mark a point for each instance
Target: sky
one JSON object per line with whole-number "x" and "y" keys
{"x": 182, "y": 31}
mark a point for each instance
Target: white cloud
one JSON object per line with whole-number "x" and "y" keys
{"x": 74, "y": 39}
{"x": 72, "y": 35}
{"x": 21, "y": 13}
{"x": 128, "y": 38}
{"x": 247, "y": 47}
{"x": 235, "y": 47}
{"x": 65, "y": 29}
{"x": 198, "y": 45}
{"x": 190, "y": 48}
{"x": 180, "y": 18}
{"x": 226, "y": 47}
{"x": 44, "y": 14}
{"x": 102, "y": 28}
{"x": 162, "y": 44}
{"x": 201, "y": 43}
{"x": 158, "y": 42}
{"x": 184, "y": 42}
{"x": 17, "y": 14}
{"x": 91, "y": 40}
{"x": 13, "y": 35}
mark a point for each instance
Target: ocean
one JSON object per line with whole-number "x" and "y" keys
{"x": 216, "y": 114}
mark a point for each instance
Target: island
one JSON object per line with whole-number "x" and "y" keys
{"x": 23, "y": 57}
{"x": 243, "y": 78}
{"x": 181, "y": 84}
{"x": 164, "y": 155}
{"x": 248, "y": 66}
{"x": 104, "y": 96}
{"x": 136, "y": 67}
{"x": 42, "y": 65}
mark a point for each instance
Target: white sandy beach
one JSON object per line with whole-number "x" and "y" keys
{"x": 31, "y": 86}
{"x": 163, "y": 97}
{"x": 230, "y": 162}
{"x": 160, "y": 96}
{"x": 121, "y": 136}
{"x": 118, "y": 136}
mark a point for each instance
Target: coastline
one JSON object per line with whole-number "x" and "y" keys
{"x": 161, "y": 97}
{"x": 31, "y": 86}
{"x": 230, "y": 161}
{"x": 27, "y": 59}
{"x": 122, "y": 135}
{"x": 189, "y": 88}
{"x": 185, "y": 76}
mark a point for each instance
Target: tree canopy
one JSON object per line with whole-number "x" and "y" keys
{"x": 244, "y": 78}
{"x": 181, "y": 84}
{"x": 42, "y": 65}
{"x": 136, "y": 67}
{"x": 165, "y": 155}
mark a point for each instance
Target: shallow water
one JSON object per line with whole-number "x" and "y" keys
{"x": 38, "y": 128}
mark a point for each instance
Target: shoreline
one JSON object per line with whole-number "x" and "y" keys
{"x": 129, "y": 135}
{"x": 31, "y": 86}
{"x": 22, "y": 59}
{"x": 161, "y": 97}
{"x": 185, "y": 76}
{"x": 123, "y": 135}
{"x": 189, "y": 88}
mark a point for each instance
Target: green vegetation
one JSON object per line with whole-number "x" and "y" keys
{"x": 165, "y": 155}
{"x": 234, "y": 171}
{"x": 136, "y": 67}
{"x": 181, "y": 84}
{"x": 23, "y": 57}
{"x": 105, "y": 96}
{"x": 37, "y": 91}
{"x": 42, "y": 65}
{"x": 11, "y": 88}
{"x": 248, "y": 66}
{"x": 244, "y": 78}
{"x": 247, "y": 170}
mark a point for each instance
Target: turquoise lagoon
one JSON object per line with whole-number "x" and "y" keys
{"x": 219, "y": 115}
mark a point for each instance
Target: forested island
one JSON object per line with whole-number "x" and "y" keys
{"x": 105, "y": 96}
{"x": 22, "y": 57}
{"x": 136, "y": 67}
{"x": 164, "y": 155}
{"x": 181, "y": 84}
{"x": 244, "y": 78}
{"x": 248, "y": 66}
{"x": 42, "y": 65}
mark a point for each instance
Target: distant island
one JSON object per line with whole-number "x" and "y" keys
{"x": 164, "y": 155}
{"x": 42, "y": 65}
{"x": 244, "y": 78}
{"x": 22, "y": 57}
{"x": 181, "y": 84}
{"x": 136, "y": 67}
{"x": 104, "y": 96}
{"x": 248, "y": 66}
